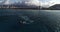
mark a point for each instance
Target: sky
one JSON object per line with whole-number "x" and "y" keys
{"x": 43, "y": 3}
{"x": 28, "y": 2}
{"x": 48, "y": 3}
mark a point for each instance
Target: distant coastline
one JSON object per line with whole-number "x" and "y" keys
{"x": 23, "y": 8}
{"x": 54, "y": 7}
{"x": 19, "y": 7}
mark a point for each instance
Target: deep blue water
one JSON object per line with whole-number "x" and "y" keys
{"x": 17, "y": 20}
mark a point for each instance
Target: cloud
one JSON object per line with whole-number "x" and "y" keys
{"x": 7, "y": 2}
{"x": 31, "y": 2}
{"x": 55, "y": 1}
{"x": 49, "y": 3}
{"x": 44, "y": 3}
{"x": 0, "y": 1}
{"x": 27, "y": 2}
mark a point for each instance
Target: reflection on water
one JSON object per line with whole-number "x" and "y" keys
{"x": 16, "y": 20}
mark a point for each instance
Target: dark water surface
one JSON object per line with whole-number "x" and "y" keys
{"x": 17, "y": 20}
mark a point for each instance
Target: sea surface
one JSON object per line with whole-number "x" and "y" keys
{"x": 21, "y": 20}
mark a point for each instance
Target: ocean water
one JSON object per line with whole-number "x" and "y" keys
{"x": 18, "y": 20}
